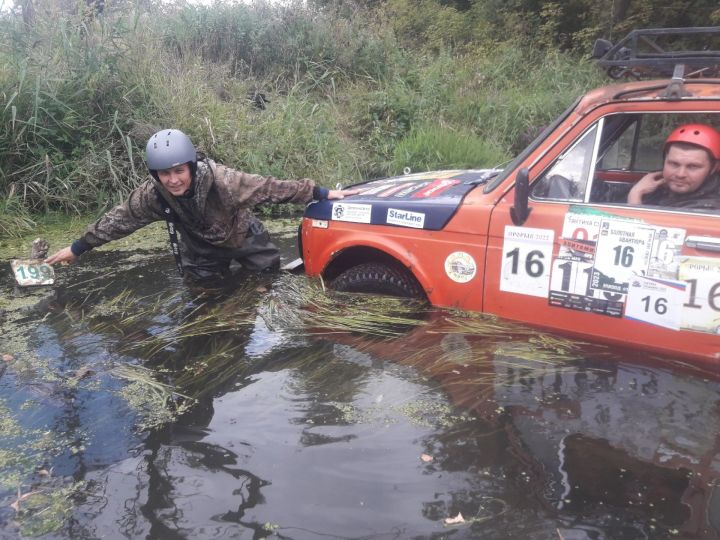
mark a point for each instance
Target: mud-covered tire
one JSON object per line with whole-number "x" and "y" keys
{"x": 378, "y": 278}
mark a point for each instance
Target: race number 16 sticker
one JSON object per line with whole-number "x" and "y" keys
{"x": 623, "y": 250}
{"x": 701, "y": 310}
{"x": 655, "y": 301}
{"x": 526, "y": 260}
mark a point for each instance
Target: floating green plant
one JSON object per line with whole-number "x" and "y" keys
{"x": 45, "y": 509}
{"x": 155, "y": 403}
{"x": 432, "y": 414}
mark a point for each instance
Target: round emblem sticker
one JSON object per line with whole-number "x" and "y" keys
{"x": 460, "y": 267}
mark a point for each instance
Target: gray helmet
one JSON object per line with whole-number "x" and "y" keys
{"x": 169, "y": 148}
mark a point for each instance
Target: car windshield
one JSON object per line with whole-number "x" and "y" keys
{"x": 530, "y": 148}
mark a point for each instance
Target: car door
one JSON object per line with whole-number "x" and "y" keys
{"x": 585, "y": 262}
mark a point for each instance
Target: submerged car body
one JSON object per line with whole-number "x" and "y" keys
{"x": 549, "y": 240}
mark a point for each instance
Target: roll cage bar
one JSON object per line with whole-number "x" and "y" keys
{"x": 662, "y": 52}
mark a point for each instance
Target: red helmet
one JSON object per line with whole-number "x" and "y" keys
{"x": 701, "y": 135}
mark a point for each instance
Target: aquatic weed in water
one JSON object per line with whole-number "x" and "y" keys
{"x": 155, "y": 403}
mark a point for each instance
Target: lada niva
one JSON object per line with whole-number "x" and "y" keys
{"x": 551, "y": 239}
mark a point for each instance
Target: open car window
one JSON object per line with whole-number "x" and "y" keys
{"x": 567, "y": 178}
{"x": 603, "y": 164}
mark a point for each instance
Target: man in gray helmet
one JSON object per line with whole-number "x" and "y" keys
{"x": 210, "y": 204}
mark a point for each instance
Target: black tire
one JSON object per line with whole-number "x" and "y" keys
{"x": 378, "y": 278}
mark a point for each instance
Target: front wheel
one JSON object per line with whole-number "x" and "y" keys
{"x": 378, "y": 278}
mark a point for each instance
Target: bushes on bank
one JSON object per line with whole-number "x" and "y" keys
{"x": 344, "y": 98}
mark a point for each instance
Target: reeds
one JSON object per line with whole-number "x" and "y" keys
{"x": 300, "y": 306}
{"x": 80, "y": 97}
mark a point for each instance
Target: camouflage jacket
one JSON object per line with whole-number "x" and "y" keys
{"x": 213, "y": 221}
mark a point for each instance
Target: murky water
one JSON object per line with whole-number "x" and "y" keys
{"x": 135, "y": 407}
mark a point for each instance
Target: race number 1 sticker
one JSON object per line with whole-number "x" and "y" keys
{"x": 570, "y": 289}
{"x": 526, "y": 261}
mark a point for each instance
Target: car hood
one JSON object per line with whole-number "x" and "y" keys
{"x": 422, "y": 201}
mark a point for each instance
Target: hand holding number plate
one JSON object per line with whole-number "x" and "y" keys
{"x": 32, "y": 272}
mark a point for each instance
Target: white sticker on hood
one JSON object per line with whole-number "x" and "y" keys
{"x": 356, "y": 213}
{"x": 405, "y": 218}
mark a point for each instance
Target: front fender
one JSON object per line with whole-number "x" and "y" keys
{"x": 326, "y": 250}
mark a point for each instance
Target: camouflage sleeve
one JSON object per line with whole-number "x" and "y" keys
{"x": 252, "y": 189}
{"x": 141, "y": 208}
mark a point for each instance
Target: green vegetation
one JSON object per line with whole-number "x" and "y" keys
{"x": 351, "y": 90}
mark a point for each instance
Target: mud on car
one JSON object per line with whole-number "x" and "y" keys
{"x": 550, "y": 239}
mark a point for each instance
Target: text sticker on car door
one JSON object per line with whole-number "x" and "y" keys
{"x": 666, "y": 249}
{"x": 622, "y": 250}
{"x": 578, "y": 236}
{"x": 570, "y": 289}
{"x": 655, "y": 301}
{"x": 526, "y": 258}
{"x": 702, "y": 300}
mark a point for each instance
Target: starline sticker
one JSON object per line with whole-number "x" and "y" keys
{"x": 405, "y": 218}
{"x": 355, "y": 213}
{"x": 460, "y": 267}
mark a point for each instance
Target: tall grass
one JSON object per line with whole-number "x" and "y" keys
{"x": 286, "y": 41}
{"x": 81, "y": 95}
{"x": 433, "y": 147}
{"x": 62, "y": 140}
{"x": 14, "y": 217}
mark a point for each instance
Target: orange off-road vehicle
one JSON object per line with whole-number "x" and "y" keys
{"x": 550, "y": 239}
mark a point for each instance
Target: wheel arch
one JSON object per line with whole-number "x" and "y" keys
{"x": 355, "y": 255}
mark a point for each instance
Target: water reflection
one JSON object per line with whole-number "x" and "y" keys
{"x": 260, "y": 420}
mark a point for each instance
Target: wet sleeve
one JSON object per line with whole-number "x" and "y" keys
{"x": 252, "y": 189}
{"x": 320, "y": 193}
{"x": 141, "y": 208}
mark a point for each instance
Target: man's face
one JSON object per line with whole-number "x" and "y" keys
{"x": 685, "y": 169}
{"x": 176, "y": 179}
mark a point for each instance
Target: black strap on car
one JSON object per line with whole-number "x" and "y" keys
{"x": 171, "y": 222}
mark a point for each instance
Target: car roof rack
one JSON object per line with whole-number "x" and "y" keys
{"x": 662, "y": 52}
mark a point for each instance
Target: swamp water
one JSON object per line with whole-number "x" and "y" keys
{"x": 132, "y": 406}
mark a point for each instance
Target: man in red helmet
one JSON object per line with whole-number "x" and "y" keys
{"x": 689, "y": 178}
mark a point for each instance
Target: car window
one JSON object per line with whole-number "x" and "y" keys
{"x": 637, "y": 144}
{"x": 609, "y": 157}
{"x": 651, "y": 135}
{"x": 620, "y": 155}
{"x": 567, "y": 178}
{"x": 522, "y": 156}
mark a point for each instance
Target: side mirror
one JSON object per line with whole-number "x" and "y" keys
{"x": 601, "y": 48}
{"x": 520, "y": 211}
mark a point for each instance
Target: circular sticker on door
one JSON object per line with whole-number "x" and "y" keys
{"x": 460, "y": 267}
